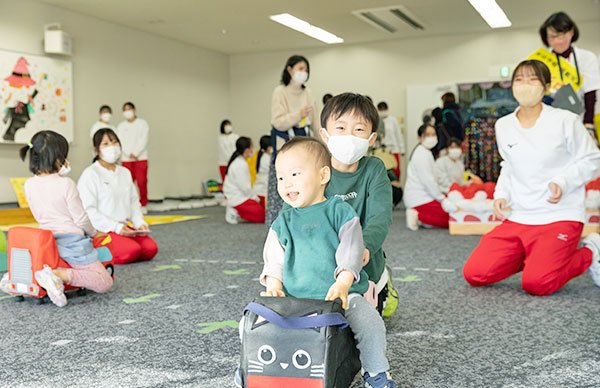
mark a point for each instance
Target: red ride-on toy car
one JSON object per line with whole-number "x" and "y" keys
{"x": 29, "y": 249}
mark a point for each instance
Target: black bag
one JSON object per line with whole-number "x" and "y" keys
{"x": 297, "y": 343}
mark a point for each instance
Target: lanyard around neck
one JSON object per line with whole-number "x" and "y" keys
{"x": 576, "y": 66}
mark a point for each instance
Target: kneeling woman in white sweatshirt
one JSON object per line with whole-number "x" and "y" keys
{"x": 425, "y": 203}
{"x": 242, "y": 202}
{"x": 548, "y": 158}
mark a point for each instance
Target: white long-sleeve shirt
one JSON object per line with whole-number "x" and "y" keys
{"x": 110, "y": 198}
{"x": 262, "y": 175}
{"x": 421, "y": 186}
{"x": 226, "y": 147}
{"x": 448, "y": 171}
{"x": 556, "y": 149}
{"x": 99, "y": 125}
{"x": 134, "y": 139}
{"x": 393, "y": 135}
{"x": 237, "y": 187}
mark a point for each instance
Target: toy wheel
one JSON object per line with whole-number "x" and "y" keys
{"x": 111, "y": 270}
{"x": 19, "y": 298}
{"x": 40, "y": 301}
{"x": 82, "y": 292}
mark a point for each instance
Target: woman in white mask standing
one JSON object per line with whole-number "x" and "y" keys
{"x": 426, "y": 205}
{"x": 450, "y": 168}
{"x": 548, "y": 158}
{"x": 112, "y": 203}
{"x": 105, "y": 115}
{"x": 293, "y": 113}
{"x": 227, "y": 141}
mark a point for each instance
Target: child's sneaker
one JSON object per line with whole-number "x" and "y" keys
{"x": 53, "y": 285}
{"x": 412, "y": 219}
{"x": 237, "y": 379}
{"x": 231, "y": 215}
{"x": 4, "y": 284}
{"x": 592, "y": 241}
{"x": 382, "y": 380}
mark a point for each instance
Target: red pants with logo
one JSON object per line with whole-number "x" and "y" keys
{"x": 251, "y": 211}
{"x": 433, "y": 214}
{"x": 139, "y": 174}
{"x": 126, "y": 250}
{"x": 546, "y": 254}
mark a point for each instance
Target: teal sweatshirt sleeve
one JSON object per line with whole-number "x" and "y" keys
{"x": 378, "y": 215}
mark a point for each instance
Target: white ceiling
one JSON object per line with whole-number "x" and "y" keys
{"x": 242, "y": 26}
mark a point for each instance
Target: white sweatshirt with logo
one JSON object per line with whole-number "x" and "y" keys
{"x": 421, "y": 186}
{"x": 556, "y": 149}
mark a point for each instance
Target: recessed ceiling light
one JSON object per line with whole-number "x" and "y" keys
{"x": 491, "y": 12}
{"x": 306, "y": 28}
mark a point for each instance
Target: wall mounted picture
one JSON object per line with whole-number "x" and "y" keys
{"x": 36, "y": 93}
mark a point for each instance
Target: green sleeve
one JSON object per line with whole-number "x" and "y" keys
{"x": 378, "y": 209}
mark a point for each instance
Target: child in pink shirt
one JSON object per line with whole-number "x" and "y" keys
{"x": 54, "y": 202}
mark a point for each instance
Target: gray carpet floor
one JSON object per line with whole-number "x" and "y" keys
{"x": 157, "y": 328}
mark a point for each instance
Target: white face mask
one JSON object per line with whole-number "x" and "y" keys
{"x": 454, "y": 153}
{"x": 348, "y": 149}
{"x": 300, "y": 77}
{"x": 383, "y": 114}
{"x": 105, "y": 117}
{"x": 110, "y": 154}
{"x": 128, "y": 114}
{"x": 528, "y": 95}
{"x": 65, "y": 169}
{"x": 430, "y": 142}
{"x": 228, "y": 129}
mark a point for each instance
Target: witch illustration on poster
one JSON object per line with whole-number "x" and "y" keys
{"x": 35, "y": 95}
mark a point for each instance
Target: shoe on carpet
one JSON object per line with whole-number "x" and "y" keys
{"x": 381, "y": 380}
{"x": 4, "y": 284}
{"x": 391, "y": 301}
{"x": 232, "y": 216}
{"x": 237, "y": 378}
{"x": 412, "y": 219}
{"x": 592, "y": 242}
{"x": 53, "y": 285}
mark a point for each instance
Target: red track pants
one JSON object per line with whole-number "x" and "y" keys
{"x": 139, "y": 174}
{"x": 546, "y": 254}
{"x": 126, "y": 250}
{"x": 251, "y": 211}
{"x": 432, "y": 214}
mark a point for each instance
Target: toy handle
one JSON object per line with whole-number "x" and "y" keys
{"x": 306, "y": 322}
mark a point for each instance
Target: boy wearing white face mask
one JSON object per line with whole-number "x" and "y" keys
{"x": 111, "y": 201}
{"x": 103, "y": 121}
{"x": 425, "y": 203}
{"x": 133, "y": 133}
{"x": 547, "y": 159}
{"x": 450, "y": 168}
{"x": 348, "y": 123}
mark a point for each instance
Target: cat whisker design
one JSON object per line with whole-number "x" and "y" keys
{"x": 255, "y": 371}
{"x": 320, "y": 375}
{"x": 256, "y": 363}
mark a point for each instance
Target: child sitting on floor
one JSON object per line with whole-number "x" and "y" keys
{"x": 315, "y": 250}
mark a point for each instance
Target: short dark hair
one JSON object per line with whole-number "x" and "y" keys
{"x": 539, "y": 68}
{"x": 453, "y": 141}
{"x": 560, "y": 22}
{"x": 382, "y": 106}
{"x": 448, "y": 98}
{"x": 327, "y": 97}
{"x": 291, "y": 62}
{"x": 436, "y": 113}
{"x": 128, "y": 104}
{"x": 423, "y": 128}
{"x": 350, "y": 102}
{"x": 314, "y": 147}
{"x": 99, "y": 135}
{"x": 105, "y": 107}
{"x": 223, "y": 124}
{"x": 47, "y": 153}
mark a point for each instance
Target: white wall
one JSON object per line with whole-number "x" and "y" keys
{"x": 181, "y": 90}
{"x": 383, "y": 70}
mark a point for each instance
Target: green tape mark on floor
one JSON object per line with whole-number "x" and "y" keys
{"x": 408, "y": 279}
{"x": 165, "y": 267}
{"x": 241, "y": 271}
{"x": 209, "y": 327}
{"x": 141, "y": 299}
